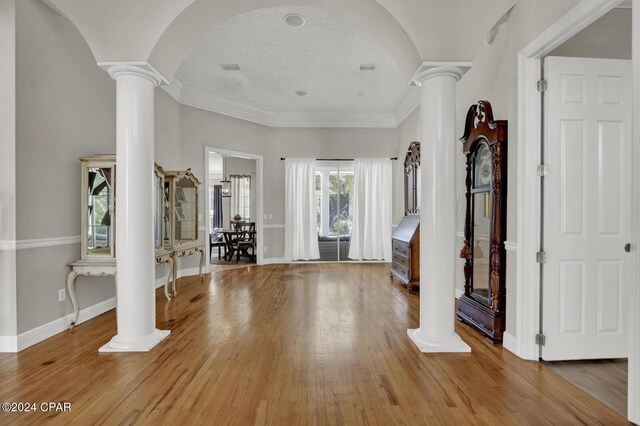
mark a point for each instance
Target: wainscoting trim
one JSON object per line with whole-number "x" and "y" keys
{"x": 38, "y": 243}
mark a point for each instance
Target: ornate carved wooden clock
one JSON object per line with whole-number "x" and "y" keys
{"x": 485, "y": 145}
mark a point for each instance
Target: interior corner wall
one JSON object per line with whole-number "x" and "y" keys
{"x": 167, "y": 130}
{"x": 199, "y": 128}
{"x": 65, "y": 110}
{"x": 8, "y": 314}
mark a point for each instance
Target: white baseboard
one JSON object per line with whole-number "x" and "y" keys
{"x": 29, "y": 338}
{"x": 459, "y": 293}
{"x": 38, "y": 334}
{"x": 273, "y": 260}
{"x": 509, "y": 342}
{"x": 8, "y": 344}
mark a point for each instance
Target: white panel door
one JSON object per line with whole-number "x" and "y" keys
{"x": 587, "y": 208}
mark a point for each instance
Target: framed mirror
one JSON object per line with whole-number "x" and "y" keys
{"x": 98, "y": 201}
{"x": 412, "y": 179}
{"x": 485, "y": 146}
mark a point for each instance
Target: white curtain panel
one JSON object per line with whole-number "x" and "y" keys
{"x": 371, "y": 227}
{"x": 300, "y": 228}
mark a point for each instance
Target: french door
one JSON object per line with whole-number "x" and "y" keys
{"x": 334, "y": 193}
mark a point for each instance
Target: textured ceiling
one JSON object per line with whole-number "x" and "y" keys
{"x": 322, "y": 58}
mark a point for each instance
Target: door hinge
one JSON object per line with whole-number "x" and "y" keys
{"x": 542, "y": 170}
{"x": 541, "y": 257}
{"x": 540, "y": 339}
{"x": 541, "y": 85}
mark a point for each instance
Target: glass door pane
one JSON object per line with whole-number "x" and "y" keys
{"x": 334, "y": 187}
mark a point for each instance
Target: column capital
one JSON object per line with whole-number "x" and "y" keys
{"x": 141, "y": 69}
{"x": 427, "y": 70}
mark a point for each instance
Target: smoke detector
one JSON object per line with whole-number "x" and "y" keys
{"x": 294, "y": 20}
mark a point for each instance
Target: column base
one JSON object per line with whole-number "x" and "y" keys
{"x": 144, "y": 344}
{"x": 431, "y": 345}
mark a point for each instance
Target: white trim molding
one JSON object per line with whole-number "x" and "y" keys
{"x": 509, "y": 342}
{"x": 633, "y": 402}
{"x": 274, "y": 260}
{"x": 190, "y": 96}
{"x": 45, "y": 331}
{"x": 38, "y": 243}
{"x": 274, "y": 226}
{"x": 510, "y": 246}
{"x": 8, "y": 344}
{"x": 459, "y": 293}
{"x": 208, "y": 101}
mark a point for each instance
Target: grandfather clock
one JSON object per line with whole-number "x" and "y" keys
{"x": 485, "y": 145}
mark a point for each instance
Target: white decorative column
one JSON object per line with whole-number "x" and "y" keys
{"x": 439, "y": 148}
{"x": 135, "y": 289}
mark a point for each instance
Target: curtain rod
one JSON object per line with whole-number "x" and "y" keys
{"x": 338, "y": 159}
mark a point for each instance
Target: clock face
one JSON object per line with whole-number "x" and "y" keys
{"x": 482, "y": 167}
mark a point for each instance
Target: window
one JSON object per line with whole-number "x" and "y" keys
{"x": 240, "y": 196}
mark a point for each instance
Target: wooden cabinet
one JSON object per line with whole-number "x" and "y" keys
{"x": 405, "y": 246}
{"x": 485, "y": 145}
{"x": 405, "y": 242}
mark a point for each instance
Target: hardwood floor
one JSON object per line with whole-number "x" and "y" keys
{"x": 288, "y": 344}
{"x": 606, "y": 380}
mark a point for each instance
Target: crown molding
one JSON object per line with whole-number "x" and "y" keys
{"x": 407, "y": 105}
{"x": 335, "y": 119}
{"x": 190, "y": 96}
{"x": 216, "y": 103}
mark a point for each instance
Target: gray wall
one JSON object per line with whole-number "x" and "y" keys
{"x": 65, "y": 110}
{"x": 8, "y": 313}
{"x": 608, "y": 38}
{"x": 167, "y": 130}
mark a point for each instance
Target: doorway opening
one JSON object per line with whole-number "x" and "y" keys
{"x": 585, "y": 145}
{"x": 234, "y": 208}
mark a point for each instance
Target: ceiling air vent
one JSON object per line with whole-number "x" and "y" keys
{"x": 367, "y": 67}
{"x": 231, "y": 67}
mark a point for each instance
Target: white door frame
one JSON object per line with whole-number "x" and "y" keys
{"x": 259, "y": 208}
{"x": 528, "y": 205}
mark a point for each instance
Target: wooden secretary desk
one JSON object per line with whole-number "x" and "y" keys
{"x": 405, "y": 243}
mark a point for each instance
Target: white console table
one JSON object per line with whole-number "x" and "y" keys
{"x": 101, "y": 268}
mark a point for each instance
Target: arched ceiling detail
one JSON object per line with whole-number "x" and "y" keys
{"x": 164, "y": 31}
{"x": 202, "y": 16}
